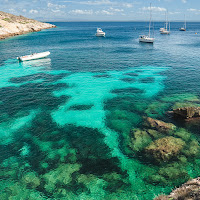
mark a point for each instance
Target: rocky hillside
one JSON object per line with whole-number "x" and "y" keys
{"x": 11, "y": 25}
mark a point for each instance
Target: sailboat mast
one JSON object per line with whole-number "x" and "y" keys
{"x": 185, "y": 22}
{"x": 150, "y": 22}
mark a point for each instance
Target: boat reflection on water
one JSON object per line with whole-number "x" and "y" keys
{"x": 44, "y": 63}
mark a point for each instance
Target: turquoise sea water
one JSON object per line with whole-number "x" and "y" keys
{"x": 65, "y": 120}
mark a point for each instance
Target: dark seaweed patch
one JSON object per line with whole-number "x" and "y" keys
{"x": 80, "y": 107}
{"x": 130, "y": 90}
{"x": 147, "y": 80}
{"x": 102, "y": 76}
{"x": 128, "y": 80}
{"x": 100, "y": 166}
{"x": 30, "y": 96}
{"x": 138, "y": 71}
{"x": 47, "y": 77}
{"x": 131, "y": 74}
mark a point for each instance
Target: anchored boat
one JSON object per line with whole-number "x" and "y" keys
{"x": 184, "y": 27}
{"x": 100, "y": 33}
{"x": 34, "y": 56}
{"x": 147, "y": 38}
{"x": 165, "y": 30}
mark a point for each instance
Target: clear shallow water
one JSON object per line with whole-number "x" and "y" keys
{"x": 66, "y": 119}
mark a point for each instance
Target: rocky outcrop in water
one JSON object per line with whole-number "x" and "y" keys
{"x": 159, "y": 125}
{"x": 188, "y": 191}
{"x": 11, "y": 25}
{"x": 187, "y": 112}
{"x": 165, "y": 148}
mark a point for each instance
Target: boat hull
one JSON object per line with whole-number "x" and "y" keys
{"x": 165, "y": 32}
{"x": 149, "y": 40}
{"x": 100, "y": 34}
{"x": 33, "y": 56}
{"x": 182, "y": 29}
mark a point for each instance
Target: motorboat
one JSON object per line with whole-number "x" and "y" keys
{"x": 34, "y": 56}
{"x": 147, "y": 38}
{"x": 100, "y": 33}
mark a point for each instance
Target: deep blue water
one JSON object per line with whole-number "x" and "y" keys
{"x": 65, "y": 120}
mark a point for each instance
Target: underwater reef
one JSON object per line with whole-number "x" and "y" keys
{"x": 171, "y": 149}
{"x": 62, "y": 139}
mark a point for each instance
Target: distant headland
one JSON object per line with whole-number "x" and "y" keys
{"x": 12, "y": 25}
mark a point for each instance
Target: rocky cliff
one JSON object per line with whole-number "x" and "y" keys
{"x": 11, "y": 25}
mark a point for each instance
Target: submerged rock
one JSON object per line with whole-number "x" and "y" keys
{"x": 165, "y": 148}
{"x": 30, "y": 180}
{"x": 170, "y": 174}
{"x": 159, "y": 125}
{"x": 187, "y": 112}
{"x": 61, "y": 175}
{"x": 188, "y": 191}
{"x": 139, "y": 139}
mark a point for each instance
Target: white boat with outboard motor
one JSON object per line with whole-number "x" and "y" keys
{"x": 100, "y": 33}
{"x": 34, "y": 56}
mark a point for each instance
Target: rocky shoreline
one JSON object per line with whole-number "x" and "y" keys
{"x": 188, "y": 191}
{"x": 12, "y": 25}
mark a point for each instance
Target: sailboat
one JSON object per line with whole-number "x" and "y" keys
{"x": 184, "y": 27}
{"x": 165, "y": 29}
{"x": 147, "y": 38}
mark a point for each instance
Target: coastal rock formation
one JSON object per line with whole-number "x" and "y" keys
{"x": 11, "y": 25}
{"x": 187, "y": 112}
{"x": 188, "y": 191}
{"x": 165, "y": 148}
{"x": 159, "y": 125}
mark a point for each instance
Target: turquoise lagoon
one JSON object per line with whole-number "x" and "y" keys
{"x": 65, "y": 120}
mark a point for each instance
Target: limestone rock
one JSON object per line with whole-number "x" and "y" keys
{"x": 187, "y": 112}
{"x": 11, "y": 25}
{"x": 188, "y": 191}
{"x": 165, "y": 148}
{"x": 159, "y": 125}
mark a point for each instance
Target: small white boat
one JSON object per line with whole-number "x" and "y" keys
{"x": 100, "y": 33}
{"x": 34, "y": 56}
{"x": 147, "y": 38}
{"x": 184, "y": 27}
